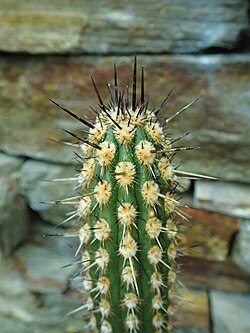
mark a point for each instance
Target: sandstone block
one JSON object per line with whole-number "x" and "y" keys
{"x": 203, "y": 274}
{"x": 209, "y": 234}
{"x": 115, "y": 27}
{"x": 192, "y": 313}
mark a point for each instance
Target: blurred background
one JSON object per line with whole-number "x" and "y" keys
{"x": 49, "y": 49}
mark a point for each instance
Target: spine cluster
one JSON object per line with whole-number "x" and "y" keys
{"x": 127, "y": 214}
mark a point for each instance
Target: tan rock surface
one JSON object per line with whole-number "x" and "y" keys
{"x": 209, "y": 234}
{"x": 192, "y": 309}
{"x": 225, "y": 276}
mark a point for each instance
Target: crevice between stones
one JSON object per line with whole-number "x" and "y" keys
{"x": 210, "y": 313}
{"x": 231, "y": 244}
{"x": 242, "y": 45}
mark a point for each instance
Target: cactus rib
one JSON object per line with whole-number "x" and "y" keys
{"x": 128, "y": 214}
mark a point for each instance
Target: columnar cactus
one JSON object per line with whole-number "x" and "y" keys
{"x": 128, "y": 212}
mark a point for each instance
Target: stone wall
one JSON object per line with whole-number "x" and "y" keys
{"x": 49, "y": 49}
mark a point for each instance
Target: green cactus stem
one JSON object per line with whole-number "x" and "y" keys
{"x": 128, "y": 214}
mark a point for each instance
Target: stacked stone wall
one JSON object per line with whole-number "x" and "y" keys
{"x": 49, "y": 49}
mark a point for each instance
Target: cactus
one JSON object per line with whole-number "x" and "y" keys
{"x": 128, "y": 214}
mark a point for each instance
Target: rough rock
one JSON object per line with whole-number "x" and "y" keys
{"x": 28, "y": 311}
{"x": 220, "y": 118}
{"x": 225, "y": 197}
{"x": 188, "y": 330}
{"x": 13, "y": 209}
{"x": 33, "y": 287}
{"x": 114, "y": 27}
{"x": 191, "y": 312}
{"x": 209, "y": 234}
{"x": 241, "y": 249}
{"x": 43, "y": 267}
{"x": 230, "y": 312}
{"x": 37, "y": 187}
{"x": 36, "y": 313}
{"x": 203, "y": 274}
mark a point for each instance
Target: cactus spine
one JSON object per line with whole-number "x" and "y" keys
{"x": 127, "y": 213}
